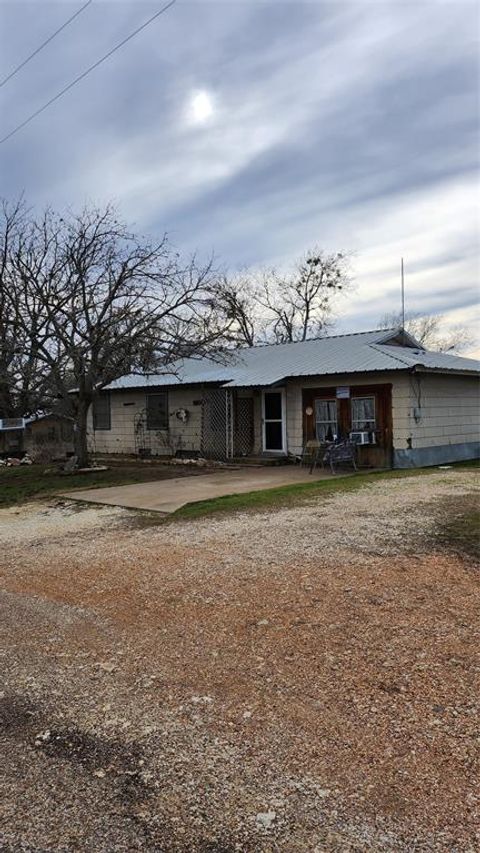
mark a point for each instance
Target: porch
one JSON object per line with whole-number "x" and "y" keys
{"x": 272, "y": 425}
{"x": 244, "y": 425}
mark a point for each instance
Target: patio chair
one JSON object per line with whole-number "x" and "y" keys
{"x": 338, "y": 454}
{"x": 309, "y": 452}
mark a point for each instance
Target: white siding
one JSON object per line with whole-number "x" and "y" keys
{"x": 447, "y": 409}
{"x": 448, "y": 413}
{"x": 401, "y": 409}
{"x": 126, "y": 404}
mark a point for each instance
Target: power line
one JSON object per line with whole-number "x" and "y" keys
{"x": 84, "y": 73}
{"x": 44, "y": 44}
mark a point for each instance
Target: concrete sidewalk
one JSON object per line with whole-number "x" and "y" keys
{"x": 168, "y": 495}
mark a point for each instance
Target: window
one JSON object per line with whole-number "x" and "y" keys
{"x": 363, "y": 414}
{"x": 157, "y": 411}
{"x": 326, "y": 419}
{"x": 66, "y": 431}
{"x": 101, "y": 412}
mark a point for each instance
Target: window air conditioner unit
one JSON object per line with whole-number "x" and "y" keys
{"x": 361, "y": 437}
{"x": 12, "y": 423}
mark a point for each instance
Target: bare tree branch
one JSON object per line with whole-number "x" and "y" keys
{"x": 280, "y": 307}
{"x": 430, "y": 330}
{"x": 91, "y": 302}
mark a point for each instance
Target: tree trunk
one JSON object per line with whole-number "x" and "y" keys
{"x": 80, "y": 434}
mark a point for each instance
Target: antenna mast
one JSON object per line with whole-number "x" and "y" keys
{"x": 403, "y": 296}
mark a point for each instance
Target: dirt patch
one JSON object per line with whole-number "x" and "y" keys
{"x": 457, "y": 526}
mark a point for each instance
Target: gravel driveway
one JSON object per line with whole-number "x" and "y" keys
{"x": 298, "y": 680}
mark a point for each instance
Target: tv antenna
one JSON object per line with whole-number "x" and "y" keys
{"x": 403, "y": 294}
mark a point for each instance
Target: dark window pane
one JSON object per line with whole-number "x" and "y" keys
{"x": 157, "y": 411}
{"x": 101, "y": 412}
{"x": 273, "y": 435}
{"x": 326, "y": 419}
{"x": 273, "y": 406}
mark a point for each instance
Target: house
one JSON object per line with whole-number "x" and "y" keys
{"x": 43, "y": 436}
{"x": 49, "y": 436}
{"x": 404, "y": 405}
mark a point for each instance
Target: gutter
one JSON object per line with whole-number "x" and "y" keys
{"x": 421, "y": 368}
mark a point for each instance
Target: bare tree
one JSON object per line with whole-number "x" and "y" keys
{"x": 280, "y": 307}
{"x": 10, "y": 222}
{"x": 24, "y": 383}
{"x": 237, "y": 297}
{"x": 94, "y": 302}
{"x": 429, "y": 330}
{"x": 301, "y": 303}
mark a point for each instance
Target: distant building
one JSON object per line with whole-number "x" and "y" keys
{"x": 43, "y": 437}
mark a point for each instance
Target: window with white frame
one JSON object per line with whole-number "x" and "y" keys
{"x": 325, "y": 419}
{"x": 363, "y": 414}
{"x": 157, "y": 411}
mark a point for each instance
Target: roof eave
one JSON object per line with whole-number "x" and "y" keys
{"x": 179, "y": 384}
{"x": 422, "y": 368}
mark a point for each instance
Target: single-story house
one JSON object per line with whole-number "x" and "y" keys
{"x": 403, "y": 405}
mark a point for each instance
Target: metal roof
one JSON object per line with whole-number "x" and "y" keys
{"x": 362, "y": 352}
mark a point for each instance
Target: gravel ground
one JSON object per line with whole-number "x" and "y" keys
{"x": 298, "y": 680}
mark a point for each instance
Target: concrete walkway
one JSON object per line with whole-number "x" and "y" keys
{"x": 168, "y": 495}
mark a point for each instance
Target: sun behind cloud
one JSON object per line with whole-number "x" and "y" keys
{"x": 200, "y": 107}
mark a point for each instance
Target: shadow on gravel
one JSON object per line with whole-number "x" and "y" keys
{"x": 457, "y": 528}
{"x": 111, "y": 762}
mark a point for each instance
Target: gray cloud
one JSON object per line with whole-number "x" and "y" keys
{"x": 352, "y": 125}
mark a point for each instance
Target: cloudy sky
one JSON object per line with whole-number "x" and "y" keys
{"x": 256, "y": 129}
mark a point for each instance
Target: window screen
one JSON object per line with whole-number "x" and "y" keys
{"x": 157, "y": 411}
{"x": 363, "y": 414}
{"x": 101, "y": 412}
{"x": 326, "y": 419}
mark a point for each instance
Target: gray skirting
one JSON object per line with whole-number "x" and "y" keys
{"x": 419, "y": 457}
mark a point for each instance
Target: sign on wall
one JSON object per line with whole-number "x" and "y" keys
{"x": 343, "y": 392}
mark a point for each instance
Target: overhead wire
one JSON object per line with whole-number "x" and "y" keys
{"x": 86, "y": 72}
{"x": 44, "y": 44}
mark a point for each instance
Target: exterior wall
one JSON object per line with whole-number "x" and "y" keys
{"x": 11, "y": 442}
{"x": 441, "y": 422}
{"x": 49, "y": 438}
{"x": 124, "y": 405}
{"x": 436, "y": 418}
{"x": 294, "y": 387}
{"x": 257, "y": 423}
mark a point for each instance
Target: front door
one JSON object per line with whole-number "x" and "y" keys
{"x": 274, "y": 440}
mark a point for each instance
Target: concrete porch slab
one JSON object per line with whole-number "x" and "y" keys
{"x": 169, "y": 495}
